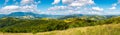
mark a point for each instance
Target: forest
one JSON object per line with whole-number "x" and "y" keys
{"x": 17, "y": 25}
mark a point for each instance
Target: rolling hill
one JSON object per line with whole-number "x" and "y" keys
{"x": 111, "y": 29}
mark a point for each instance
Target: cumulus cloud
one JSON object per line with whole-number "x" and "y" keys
{"x": 97, "y": 9}
{"x": 25, "y": 2}
{"x": 114, "y": 5}
{"x": 32, "y": 8}
{"x": 56, "y": 1}
{"x": 66, "y": 10}
{"x": 81, "y": 2}
{"x": 67, "y": 1}
{"x": 60, "y": 8}
{"x": 112, "y": 8}
{"x": 80, "y": 7}
{"x": 73, "y": 7}
{"x": 14, "y": 8}
{"x": 75, "y": 2}
{"x": 9, "y": 9}
{"x": 25, "y": 6}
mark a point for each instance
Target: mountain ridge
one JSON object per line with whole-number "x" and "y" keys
{"x": 21, "y": 14}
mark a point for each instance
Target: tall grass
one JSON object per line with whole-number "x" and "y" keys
{"x": 112, "y": 29}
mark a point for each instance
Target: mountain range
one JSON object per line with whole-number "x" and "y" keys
{"x": 21, "y": 14}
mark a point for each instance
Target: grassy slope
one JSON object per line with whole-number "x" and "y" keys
{"x": 111, "y": 29}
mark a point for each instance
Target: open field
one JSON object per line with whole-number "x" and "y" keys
{"x": 111, "y": 29}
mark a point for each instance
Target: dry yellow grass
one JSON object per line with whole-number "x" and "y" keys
{"x": 16, "y": 34}
{"x": 111, "y": 29}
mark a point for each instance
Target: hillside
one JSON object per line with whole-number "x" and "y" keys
{"x": 11, "y": 25}
{"x": 110, "y": 29}
{"x": 16, "y": 25}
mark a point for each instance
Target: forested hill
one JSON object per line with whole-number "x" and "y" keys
{"x": 16, "y": 25}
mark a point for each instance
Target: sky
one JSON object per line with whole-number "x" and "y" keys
{"x": 61, "y": 7}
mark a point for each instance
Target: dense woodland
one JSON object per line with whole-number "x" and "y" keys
{"x": 16, "y": 25}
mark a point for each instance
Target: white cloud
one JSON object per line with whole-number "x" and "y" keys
{"x": 73, "y": 7}
{"x": 31, "y": 8}
{"x": 60, "y": 8}
{"x": 25, "y": 2}
{"x": 56, "y": 1}
{"x": 14, "y": 8}
{"x": 97, "y": 9}
{"x": 9, "y": 9}
{"x": 81, "y": 2}
{"x": 75, "y": 2}
{"x": 112, "y": 8}
{"x": 66, "y": 10}
{"x": 114, "y": 5}
{"x": 67, "y": 1}
{"x": 24, "y": 6}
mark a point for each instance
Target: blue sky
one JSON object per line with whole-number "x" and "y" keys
{"x": 61, "y": 7}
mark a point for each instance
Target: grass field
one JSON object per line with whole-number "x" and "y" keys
{"x": 111, "y": 29}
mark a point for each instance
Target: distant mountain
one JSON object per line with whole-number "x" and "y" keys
{"x": 2, "y": 15}
{"x": 30, "y": 14}
{"x": 15, "y": 14}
